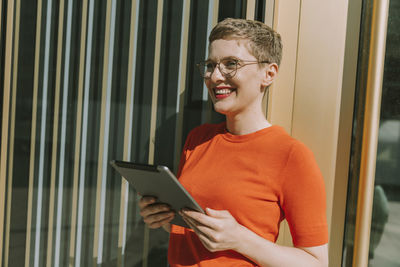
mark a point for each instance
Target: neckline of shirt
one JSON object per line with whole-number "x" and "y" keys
{"x": 245, "y": 137}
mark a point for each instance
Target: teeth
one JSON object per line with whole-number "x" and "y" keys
{"x": 223, "y": 91}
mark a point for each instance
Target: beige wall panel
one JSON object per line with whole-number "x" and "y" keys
{"x": 280, "y": 104}
{"x": 318, "y": 86}
{"x": 286, "y": 21}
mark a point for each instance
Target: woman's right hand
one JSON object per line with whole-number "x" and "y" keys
{"x": 155, "y": 214}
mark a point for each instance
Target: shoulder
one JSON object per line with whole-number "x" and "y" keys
{"x": 289, "y": 145}
{"x": 206, "y": 130}
{"x": 203, "y": 133}
{"x": 279, "y": 141}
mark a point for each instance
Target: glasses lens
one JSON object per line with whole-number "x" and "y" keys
{"x": 205, "y": 69}
{"x": 228, "y": 67}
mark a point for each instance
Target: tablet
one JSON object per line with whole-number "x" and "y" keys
{"x": 160, "y": 182}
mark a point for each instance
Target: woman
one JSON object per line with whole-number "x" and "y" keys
{"x": 247, "y": 174}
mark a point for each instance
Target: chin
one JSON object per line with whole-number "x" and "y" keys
{"x": 221, "y": 110}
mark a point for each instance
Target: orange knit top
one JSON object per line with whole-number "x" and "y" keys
{"x": 260, "y": 178}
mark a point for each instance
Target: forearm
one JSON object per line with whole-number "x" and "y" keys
{"x": 267, "y": 253}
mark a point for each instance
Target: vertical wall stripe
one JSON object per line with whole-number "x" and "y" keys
{"x": 104, "y": 131}
{"x": 60, "y": 190}
{"x": 33, "y": 134}
{"x": 130, "y": 92}
{"x": 269, "y": 12}
{"x": 156, "y": 75}
{"x": 153, "y": 120}
{"x": 182, "y": 78}
{"x": 12, "y": 130}
{"x": 5, "y": 120}
{"x": 250, "y": 9}
{"x": 212, "y": 20}
{"x": 42, "y": 135}
{"x": 1, "y": 29}
{"x": 54, "y": 153}
{"x": 82, "y": 144}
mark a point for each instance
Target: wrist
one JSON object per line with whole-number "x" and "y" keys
{"x": 242, "y": 235}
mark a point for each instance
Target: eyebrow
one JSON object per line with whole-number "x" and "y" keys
{"x": 224, "y": 58}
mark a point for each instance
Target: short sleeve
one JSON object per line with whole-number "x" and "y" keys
{"x": 303, "y": 198}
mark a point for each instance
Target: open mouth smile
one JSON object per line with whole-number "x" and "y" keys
{"x": 222, "y": 92}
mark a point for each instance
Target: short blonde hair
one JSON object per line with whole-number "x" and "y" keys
{"x": 265, "y": 43}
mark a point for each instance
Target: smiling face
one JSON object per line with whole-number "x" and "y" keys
{"x": 243, "y": 93}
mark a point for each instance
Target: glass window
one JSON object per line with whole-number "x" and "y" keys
{"x": 385, "y": 223}
{"x": 93, "y": 81}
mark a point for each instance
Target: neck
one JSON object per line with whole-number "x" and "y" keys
{"x": 240, "y": 124}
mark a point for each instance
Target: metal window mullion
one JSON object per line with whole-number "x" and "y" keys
{"x": 380, "y": 11}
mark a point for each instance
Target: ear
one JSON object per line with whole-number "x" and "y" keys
{"x": 269, "y": 74}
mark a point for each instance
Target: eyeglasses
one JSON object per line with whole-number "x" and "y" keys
{"x": 227, "y": 67}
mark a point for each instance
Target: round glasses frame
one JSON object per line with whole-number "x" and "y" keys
{"x": 227, "y": 67}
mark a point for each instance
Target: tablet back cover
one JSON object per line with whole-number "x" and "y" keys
{"x": 160, "y": 182}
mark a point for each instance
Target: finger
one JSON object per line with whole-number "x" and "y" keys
{"x": 156, "y": 220}
{"x": 204, "y": 233}
{"x": 193, "y": 225}
{"x": 154, "y": 209}
{"x": 200, "y": 218}
{"x": 201, "y": 229}
{"x": 146, "y": 200}
{"x": 161, "y": 222}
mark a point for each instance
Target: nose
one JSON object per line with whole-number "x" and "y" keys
{"x": 217, "y": 75}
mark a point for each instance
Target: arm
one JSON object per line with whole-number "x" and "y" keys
{"x": 267, "y": 253}
{"x": 218, "y": 230}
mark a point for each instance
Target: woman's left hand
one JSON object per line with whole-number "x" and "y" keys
{"x": 217, "y": 229}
